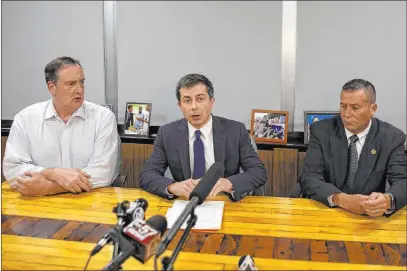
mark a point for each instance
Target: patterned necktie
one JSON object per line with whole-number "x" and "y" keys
{"x": 352, "y": 165}
{"x": 199, "y": 156}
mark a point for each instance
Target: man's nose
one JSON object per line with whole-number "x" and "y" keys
{"x": 194, "y": 105}
{"x": 79, "y": 89}
{"x": 348, "y": 112}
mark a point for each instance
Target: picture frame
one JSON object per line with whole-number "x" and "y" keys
{"x": 108, "y": 106}
{"x": 269, "y": 125}
{"x": 137, "y": 119}
{"x": 313, "y": 116}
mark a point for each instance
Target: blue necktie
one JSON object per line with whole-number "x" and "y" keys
{"x": 199, "y": 156}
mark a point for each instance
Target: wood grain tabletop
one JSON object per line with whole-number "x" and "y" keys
{"x": 58, "y": 232}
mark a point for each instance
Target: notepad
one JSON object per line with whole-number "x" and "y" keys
{"x": 210, "y": 214}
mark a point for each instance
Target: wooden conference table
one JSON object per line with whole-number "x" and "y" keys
{"x": 58, "y": 232}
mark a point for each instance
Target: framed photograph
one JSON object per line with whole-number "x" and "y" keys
{"x": 269, "y": 125}
{"x": 313, "y": 116}
{"x": 108, "y": 106}
{"x": 137, "y": 119}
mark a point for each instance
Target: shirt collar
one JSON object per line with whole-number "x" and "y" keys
{"x": 362, "y": 134}
{"x": 51, "y": 111}
{"x": 205, "y": 130}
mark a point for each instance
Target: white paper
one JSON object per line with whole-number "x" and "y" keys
{"x": 210, "y": 214}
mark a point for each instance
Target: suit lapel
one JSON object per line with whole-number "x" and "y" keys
{"x": 367, "y": 158}
{"x": 219, "y": 140}
{"x": 339, "y": 149}
{"x": 183, "y": 149}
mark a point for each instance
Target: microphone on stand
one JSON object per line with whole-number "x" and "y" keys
{"x": 139, "y": 239}
{"x": 246, "y": 263}
{"x": 197, "y": 197}
{"x": 126, "y": 212}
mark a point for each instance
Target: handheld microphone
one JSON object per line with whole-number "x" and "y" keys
{"x": 139, "y": 239}
{"x": 246, "y": 263}
{"x": 126, "y": 212}
{"x": 197, "y": 197}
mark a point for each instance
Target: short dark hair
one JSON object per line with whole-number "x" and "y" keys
{"x": 129, "y": 106}
{"x": 191, "y": 80}
{"x": 356, "y": 84}
{"x": 52, "y": 68}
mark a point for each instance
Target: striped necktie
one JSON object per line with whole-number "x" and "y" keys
{"x": 353, "y": 162}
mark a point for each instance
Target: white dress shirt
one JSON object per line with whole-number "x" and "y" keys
{"x": 362, "y": 138}
{"x": 207, "y": 139}
{"x": 40, "y": 139}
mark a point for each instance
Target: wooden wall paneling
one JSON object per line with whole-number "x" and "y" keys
{"x": 139, "y": 159}
{"x": 148, "y": 150}
{"x": 127, "y": 167}
{"x": 301, "y": 157}
{"x": 267, "y": 158}
{"x": 3, "y": 149}
{"x": 285, "y": 166}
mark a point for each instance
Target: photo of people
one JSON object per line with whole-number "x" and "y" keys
{"x": 269, "y": 125}
{"x": 137, "y": 119}
{"x": 313, "y": 116}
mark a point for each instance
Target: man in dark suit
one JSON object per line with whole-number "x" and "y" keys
{"x": 129, "y": 117}
{"x": 191, "y": 145}
{"x": 351, "y": 156}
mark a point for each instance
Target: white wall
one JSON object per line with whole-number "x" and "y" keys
{"x": 34, "y": 33}
{"x": 237, "y": 45}
{"x": 340, "y": 41}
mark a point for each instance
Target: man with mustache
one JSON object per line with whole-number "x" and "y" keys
{"x": 350, "y": 157}
{"x": 191, "y": 145}
{"x": 65, "y": 144}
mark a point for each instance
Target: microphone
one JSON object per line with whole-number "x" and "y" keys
{"x": 137, "y": 209}
{"x": 246, "y": 263}
{"x": 197, "y": 197}
{"x": 126, "y": 212}
{"x": 147, "y": 235}
{"x": 139, "y": 239}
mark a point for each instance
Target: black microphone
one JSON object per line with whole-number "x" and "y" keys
{"x": 137, "y": 209}
{"x": 139, "y": 239}
{"x": 246, "y": 263}
{"x": 197, "y": 197}
{"x": 126, "y": 212}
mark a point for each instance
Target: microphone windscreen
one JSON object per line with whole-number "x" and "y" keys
{"x": 207, "y": 182}
{"x": 158, "y": 222}
{"x": 143, "y": 203}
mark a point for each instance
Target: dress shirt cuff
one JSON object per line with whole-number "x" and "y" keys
{"x": 39, "y": 169}
{"x": 168, "y": 194}
{"x": 232, "y": 194}
{"x": 331, "y": 203}
{"x": 392, "y": 205}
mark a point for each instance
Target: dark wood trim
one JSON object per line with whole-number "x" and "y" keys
{"x": 223, "y": 244}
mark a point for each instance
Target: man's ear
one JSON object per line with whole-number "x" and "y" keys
{"x": 51, "y": 88}
{"x": 373, "y": 109}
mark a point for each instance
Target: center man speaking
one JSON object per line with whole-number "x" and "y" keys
{"x": 191, "y": 145}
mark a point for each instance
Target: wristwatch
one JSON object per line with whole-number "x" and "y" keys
{"x": 392, "y": 202}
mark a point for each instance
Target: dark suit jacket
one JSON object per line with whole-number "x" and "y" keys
{"x": 382, "y": 158}
{"x": 129, "y": 120}
{"x": 232, "y": 147}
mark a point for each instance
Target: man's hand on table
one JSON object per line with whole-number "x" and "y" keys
{"x": 72, "y": 179}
